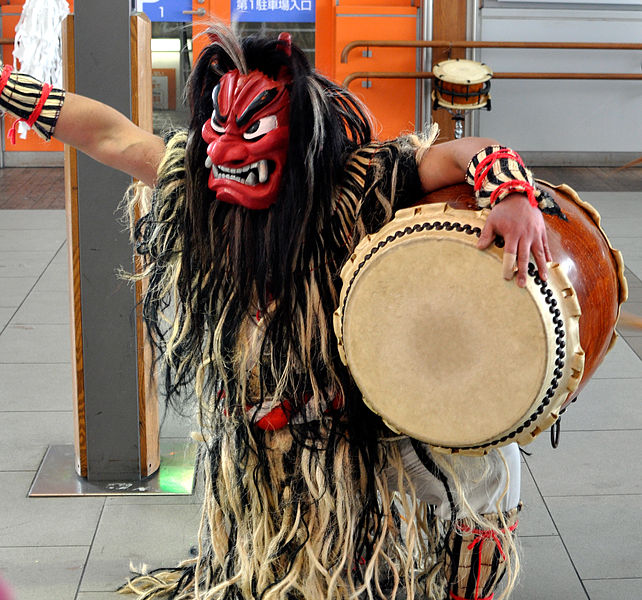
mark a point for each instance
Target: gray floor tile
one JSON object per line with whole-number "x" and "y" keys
{"x": 623, "y": 205}
{"x": 634, "y": 308}
{"x": 588, "y": 463}
{"x": 534, "y": 519}
{"x": 612, "y": 589}
{"x": 599, "y": 533}
{"x": 547, "y": 572}
{"x": 99, "y": 596}
{"x": 62, "y": 256}
{"x": 152, "y": 534}
{"x": 635, "y": 266}
{"x": 606, "y": 404}
{"x": 616, "y": 227}
{"x": 26, "y": 435}
{"x": 636, "y": 344}
{"x": 35, "y": 387}
{"x": 23, "y": 264}
{"x": 35, "y": 344}
{"x": 33, "y": 240}
{"x": 45, "y": 572}
{"x": 5, "y": 316}
{"x": 634, "y": 282}
{"x": 33, "y": 219}
{"x": 621, "y": 361}
{"x": 55, "y": 278}
{"x": 629, "y": 247}
{"x": 44, "y": 521}
{"x": 44, "y": 307}
{"x": 13, "y": 290}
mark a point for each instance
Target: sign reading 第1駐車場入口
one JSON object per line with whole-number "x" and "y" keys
{"x": 271, "y": 11}
{"x": 166, "y": 10}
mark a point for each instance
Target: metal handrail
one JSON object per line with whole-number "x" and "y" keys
{"x": 468, "y": 44}
{"x": 429, "y": 75}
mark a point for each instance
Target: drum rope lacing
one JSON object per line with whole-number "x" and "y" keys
{"x": 547, "y": 293}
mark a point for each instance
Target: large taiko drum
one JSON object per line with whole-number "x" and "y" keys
{"x": 461, "y": 84}
{"x": 447, "y": 351}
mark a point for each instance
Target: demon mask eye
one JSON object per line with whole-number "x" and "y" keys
{"x": 259, "y": 128}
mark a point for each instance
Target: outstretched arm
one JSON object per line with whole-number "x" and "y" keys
{"x": 109, "y": 137}
{"x": 520, "y": 224}
{"x": 94, "y": 128}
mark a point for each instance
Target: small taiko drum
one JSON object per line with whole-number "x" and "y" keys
{"x": 447, "y": 351}
{"x": 461, "y": 84}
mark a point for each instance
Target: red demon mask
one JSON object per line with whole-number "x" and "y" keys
{"x": 247, "y": 138}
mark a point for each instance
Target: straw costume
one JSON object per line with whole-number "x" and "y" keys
{"x": 307, "y": 494}
{"x": 300, "y": 475}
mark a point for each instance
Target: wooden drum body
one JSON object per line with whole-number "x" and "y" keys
{"x": 447, "y": 351}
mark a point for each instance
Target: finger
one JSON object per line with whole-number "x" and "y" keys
{"x": 547, "y": 250}
{"x": 486, "y": 237}
{"x": 539, "y": 254}
{"x": 508, "y": 265}
{"x": 523, "y": 254}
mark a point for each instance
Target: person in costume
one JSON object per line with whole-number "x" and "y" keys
{"x": 249, "y": 216}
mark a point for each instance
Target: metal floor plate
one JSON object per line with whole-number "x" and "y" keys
{"x": 176, "y": 476}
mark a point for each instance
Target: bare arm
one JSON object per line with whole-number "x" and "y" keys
{"x": 521, "y": 225}
{"x": 445, "y": 164}
{"x": 109, "y": 137}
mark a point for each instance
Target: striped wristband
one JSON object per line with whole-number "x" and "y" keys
{"x": 31, "y": 101}
{"x": 497, "y": 171}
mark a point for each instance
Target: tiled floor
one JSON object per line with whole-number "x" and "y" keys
{"x": 580, "y": 530}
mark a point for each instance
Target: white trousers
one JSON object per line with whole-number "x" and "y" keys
{"x": 484, "y": 480}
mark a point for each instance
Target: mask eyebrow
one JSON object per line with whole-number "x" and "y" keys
{"x": 263, "y": 99}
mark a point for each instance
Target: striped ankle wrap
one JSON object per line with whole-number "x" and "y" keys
{"x": 476, "y": 558}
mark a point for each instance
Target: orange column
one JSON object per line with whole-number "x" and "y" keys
{"x": 392, "y": 102}
{"x": 214, "y": 9}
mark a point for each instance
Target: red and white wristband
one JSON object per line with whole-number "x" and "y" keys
{"x": 31, "y": 101}
{"x": 497, "y": 171}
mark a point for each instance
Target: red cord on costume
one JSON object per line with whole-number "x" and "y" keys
{"x": 481, "y": 535}
{"x": 46, "y": 89}
{"x": 485, "y": 166}
{"x": 6, "y": 72}
{"x": 515, "y": 185}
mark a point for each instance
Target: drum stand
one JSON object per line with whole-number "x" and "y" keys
{"x": 459, "y": 117}
{"x": 459, "y": 114}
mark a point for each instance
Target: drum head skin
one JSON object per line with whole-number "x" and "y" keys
{"x": 441, "y": 346}
{"x": 462, "y": 71}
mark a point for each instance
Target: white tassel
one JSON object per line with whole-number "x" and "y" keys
{"x": 38, "y": 45}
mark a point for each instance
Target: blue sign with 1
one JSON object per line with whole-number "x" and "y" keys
{"x": 166, "y": 10}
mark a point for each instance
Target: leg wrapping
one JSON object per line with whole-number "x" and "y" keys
{"x": 477, "y": 557}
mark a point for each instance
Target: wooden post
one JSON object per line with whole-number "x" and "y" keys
{"x": 449, "y": 23}
{"x": 116, "y": 426}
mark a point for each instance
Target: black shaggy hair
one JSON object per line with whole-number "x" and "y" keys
{"x": 228, "y": 263}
